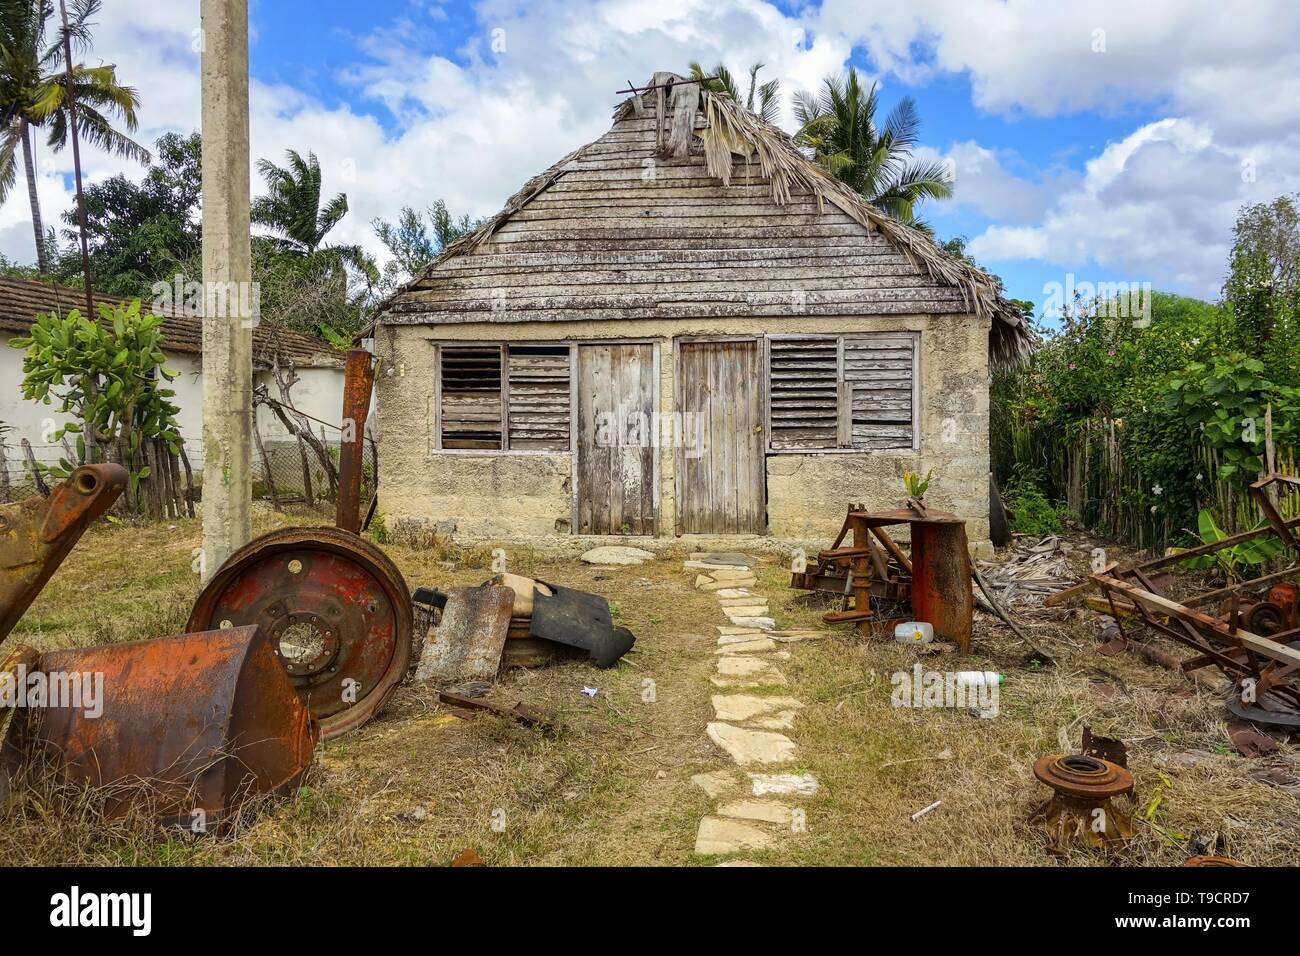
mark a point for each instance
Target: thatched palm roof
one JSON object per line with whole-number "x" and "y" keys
{"x": 686, "y": 111}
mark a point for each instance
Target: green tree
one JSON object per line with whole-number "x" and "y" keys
{"x": 295, "y": 256}
{"x": 110, "y": 378}
{"x": 1262, "y": 289}
{"x": 297, "y": 220}
{"x": 839, "y": 129}
{"x": 142, "y": 233}
{"x": 764, "y": 99}
{"x": 34, "y": 94}
{"x": 413, "y": 243}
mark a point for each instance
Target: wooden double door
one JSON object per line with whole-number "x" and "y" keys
{"x": 717, "y": 431}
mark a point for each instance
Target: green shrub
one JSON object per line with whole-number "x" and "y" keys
{"x": 1030, "y": 510}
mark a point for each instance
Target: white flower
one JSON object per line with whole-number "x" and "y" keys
{"x": 1156, "y": 490}
{"x": 1153, "y": 509}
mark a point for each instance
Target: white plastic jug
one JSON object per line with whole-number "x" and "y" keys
{"x": 914, "y": 632}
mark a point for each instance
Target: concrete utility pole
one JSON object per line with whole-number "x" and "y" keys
{"x": 227, "y": 261}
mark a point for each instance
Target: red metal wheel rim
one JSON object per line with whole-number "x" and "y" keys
{"x": 335, "y": 608}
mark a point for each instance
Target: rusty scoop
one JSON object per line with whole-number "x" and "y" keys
{"x": 37, "y": 533}
{"x": 186, "y": 727}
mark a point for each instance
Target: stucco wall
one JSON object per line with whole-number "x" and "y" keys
{"x": 523, "y": 495}
{"x": 29, "y": 419}
{"x": 319, "y": 393}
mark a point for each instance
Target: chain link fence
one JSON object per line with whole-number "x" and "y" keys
{"x": 286, "y": 472}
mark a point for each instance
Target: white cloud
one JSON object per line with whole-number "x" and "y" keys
{"x": 1157, "y": 206}
{"x": 473, "y": 126}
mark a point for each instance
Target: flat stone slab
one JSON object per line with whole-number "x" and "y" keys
{"x": 722, "y": 835}
{"x": 752, "y": 746}
{"x": 794, "y": 637}
{"x": 733, "y": 593}
{"x": 743, "y": 599}
{"x": 764, "y": 811}
{"x": 769, "y": 678}
{"x": 742, "y": 667}
{"x": 783, "y": 784}
{"x": 727, "y": 630}
{"x": 719, "y": 585}
{"x": 716, "y": 782}
{"x": 616, "y": 554}
{"x": 765, "y": 623}
{"x": 752, "y": 635}
{"x": 755, "y": 646}
{"x": 724, "y": 557}
{"x": 731, "y": 574}
{"x": 746, "y": 610}
{"x": 739, "y": 708}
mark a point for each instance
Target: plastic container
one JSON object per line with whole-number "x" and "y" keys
{"x": 914, "y": 632}
{"x": 979, "y": 678}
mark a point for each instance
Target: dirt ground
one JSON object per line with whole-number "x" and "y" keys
{"x": 418, "y": 785}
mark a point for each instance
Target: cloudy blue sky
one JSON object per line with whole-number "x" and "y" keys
{"x": 1111, "y": 140}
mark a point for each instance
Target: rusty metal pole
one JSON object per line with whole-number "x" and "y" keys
{"x": 358, "y": 383}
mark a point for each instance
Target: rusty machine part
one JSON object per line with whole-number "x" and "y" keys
{"x": 334, "y": 608}
{"x": 1264, "y": 663}
{"x": 879, "y": 580}
{"x": 194, "y": 722}
{"x": 358, "y": 382}
{"x": 1080, "y": 812}
{"x": 37, "y": 533}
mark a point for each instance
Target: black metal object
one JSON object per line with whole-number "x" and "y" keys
{"x": 578, "y": 619}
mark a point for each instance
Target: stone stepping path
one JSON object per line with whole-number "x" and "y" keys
{"x": 749, "y": 725}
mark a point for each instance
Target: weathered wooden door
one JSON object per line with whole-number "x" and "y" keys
{"x": 615, "y": 475}
{"x": 720, "y": 469}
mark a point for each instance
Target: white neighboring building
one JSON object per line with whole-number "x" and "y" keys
{"x": 318, "y": 392}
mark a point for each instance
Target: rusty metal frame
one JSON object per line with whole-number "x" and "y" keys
{"x": 1218, "y": 639}
{"x": 936, "y": 579}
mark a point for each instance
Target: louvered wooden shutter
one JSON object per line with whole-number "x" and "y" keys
{"x": 878, "y": 374}
{"x": 470, "y": 377}
{"x": 804, "y": 392}
{"x": 538, "y": 403}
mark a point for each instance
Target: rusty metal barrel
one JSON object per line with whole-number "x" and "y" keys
{"x": 186, "y": 727}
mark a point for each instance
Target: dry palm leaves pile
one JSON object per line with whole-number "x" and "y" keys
{"x": 1034, "y": 571}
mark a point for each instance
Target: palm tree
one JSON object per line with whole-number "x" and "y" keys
{"x": 34, "y": 93}
{"x": 839, "y": 129}
{"x": 764, "y": 100}
{"x": 292, "y": 210}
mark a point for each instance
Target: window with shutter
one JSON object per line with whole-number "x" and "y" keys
{"x": 804, "y": 405}
{"x": 470, "y": 377}
{"x": 841, "y": 392}
{"x": 504, "y": 397}
{"x": 538, "y": 407}
{"x": 878, "y": 376}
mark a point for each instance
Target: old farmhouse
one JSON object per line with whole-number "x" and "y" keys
{"x": 686, "y": 327}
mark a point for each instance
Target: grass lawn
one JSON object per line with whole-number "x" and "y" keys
{"x": 418, "y": 784}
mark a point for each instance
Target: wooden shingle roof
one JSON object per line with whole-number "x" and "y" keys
{"x": 710, "y": 212}
{"x": 22, "y": 299}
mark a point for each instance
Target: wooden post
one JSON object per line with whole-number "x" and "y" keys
{"x": 306, "y": 474}
{"x": 227, "y": 263}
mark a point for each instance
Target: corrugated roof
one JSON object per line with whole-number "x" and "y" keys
{"x": 22, "y": 299}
